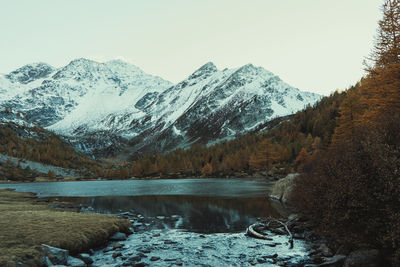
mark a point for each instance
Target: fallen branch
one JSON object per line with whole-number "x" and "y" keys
{"x": 289, "y": 233}
{"x": 253, "y": 233}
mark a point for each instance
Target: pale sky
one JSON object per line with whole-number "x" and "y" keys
{"x": 314, "y": 45}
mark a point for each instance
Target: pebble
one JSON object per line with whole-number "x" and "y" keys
{"x": 116, "y": 254}
{"x": 118, "y": 245}
{"x": 135, "y": 258}
{"x": 154, "y": 258}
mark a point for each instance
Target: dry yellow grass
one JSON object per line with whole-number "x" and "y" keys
{"x": 26, "y": 223}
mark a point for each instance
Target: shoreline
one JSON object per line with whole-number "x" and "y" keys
{"x": 27, "y": 222}
{"x": 236, "y": 175}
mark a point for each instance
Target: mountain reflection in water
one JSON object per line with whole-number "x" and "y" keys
{"x": 199, "y": 214}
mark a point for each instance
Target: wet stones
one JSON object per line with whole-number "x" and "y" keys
{"x": 117, "y": 246}
{"x": 55, "y": 255}
{"x": 116, "y": 254}
{"x": 170, "y": 242}
{"x": 118, "y": 237}
{"x": 85, "y": 257}
{"x": 154, "y": 258}
{"x": 74, "y": 262}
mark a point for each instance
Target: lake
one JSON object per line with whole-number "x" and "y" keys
{"x": 197, "y": 222}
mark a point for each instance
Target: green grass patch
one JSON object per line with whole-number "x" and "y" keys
{"x": 26, "y": 223}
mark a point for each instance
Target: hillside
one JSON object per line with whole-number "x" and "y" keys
{"x": 105, "y": 109}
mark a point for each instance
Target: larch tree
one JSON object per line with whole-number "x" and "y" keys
{"x": 381, "y": 88}
{"x": 387, "y": 41}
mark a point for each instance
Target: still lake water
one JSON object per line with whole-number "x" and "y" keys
{"x": 190, "y": 222}
{"x": 205, "y": 205}
{"x": 194, "y": 187}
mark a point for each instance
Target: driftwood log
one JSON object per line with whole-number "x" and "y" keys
{"x": 253, "y": 233}
{"x": 251, "y": 230}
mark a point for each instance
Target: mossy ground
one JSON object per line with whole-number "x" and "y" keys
{"x": 26, "y": 223}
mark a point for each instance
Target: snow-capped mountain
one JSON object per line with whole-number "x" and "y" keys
{"x": 90, "y": 89}
{"x": 212, "y": 105}
{"x": 118, "y": 101}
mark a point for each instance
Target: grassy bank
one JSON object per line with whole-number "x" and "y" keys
{"x": 27, "y": 222}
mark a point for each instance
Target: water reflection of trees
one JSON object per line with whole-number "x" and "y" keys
{"x": 200, "y": 214}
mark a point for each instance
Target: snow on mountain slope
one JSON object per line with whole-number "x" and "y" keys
{"x": 87, "y": 99}
{"x": 214, "y": 105}
{"x": 83, "y": 91}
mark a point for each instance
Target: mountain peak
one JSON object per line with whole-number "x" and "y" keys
{"x": 80, "y": 61}
{"x": 30, "y": 72}
{"x": 205, "y": 70}
{"x": 209, "y": 66}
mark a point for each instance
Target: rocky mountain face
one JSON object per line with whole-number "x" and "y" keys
{"x": 106, "y": 108}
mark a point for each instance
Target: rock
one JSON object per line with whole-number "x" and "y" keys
{"x": 261, "y": 260}
{"x": 135, "y": 258}
{"x": 47, "y": 262}
{"x": 172, "y": 259}
{"x": 144, "y": 250}
{"x": 154, "y": 258}
{"x": 175, "y": 217}
{"x": 118, "y": 237}
{"x": 272, "y": 256}
{"x": 282, "y": 188}
{"x": 55, "y": 255}
{"x": 116, "y": 254}
{"x": 142, "y": 255}
{"x": 170, "y": 242}
{"x": 335, "y": 261}
{"x": 156, "y": 235}
{"x": 325, "y": 251}
{"x": 117, "y": 246}
{"x": 179, "y": 263}
{"x": 364, "y": 258}
{"x": 139, "y": 264}
{"x": 74, "y": 262}
{"x": 293, "y": 217}
{"x": 85, "y": 257}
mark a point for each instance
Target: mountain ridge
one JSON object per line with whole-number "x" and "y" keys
{"x": 117, "y": 98}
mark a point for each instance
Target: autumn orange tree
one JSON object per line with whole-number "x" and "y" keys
{"x": 266, "y": 155}
{"x": 352, "y": 189}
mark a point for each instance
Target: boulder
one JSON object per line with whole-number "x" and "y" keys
{"x": 282, "y": 188}
{"x": 74, "y": 262}
{"x": 364, "y": 258}
{"x": 335, "y": 261}
{"x": 325, "y": 251}
{"x": 56, "y": 255}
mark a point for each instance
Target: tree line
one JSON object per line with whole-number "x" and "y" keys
{"x": 352, "y": 187}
